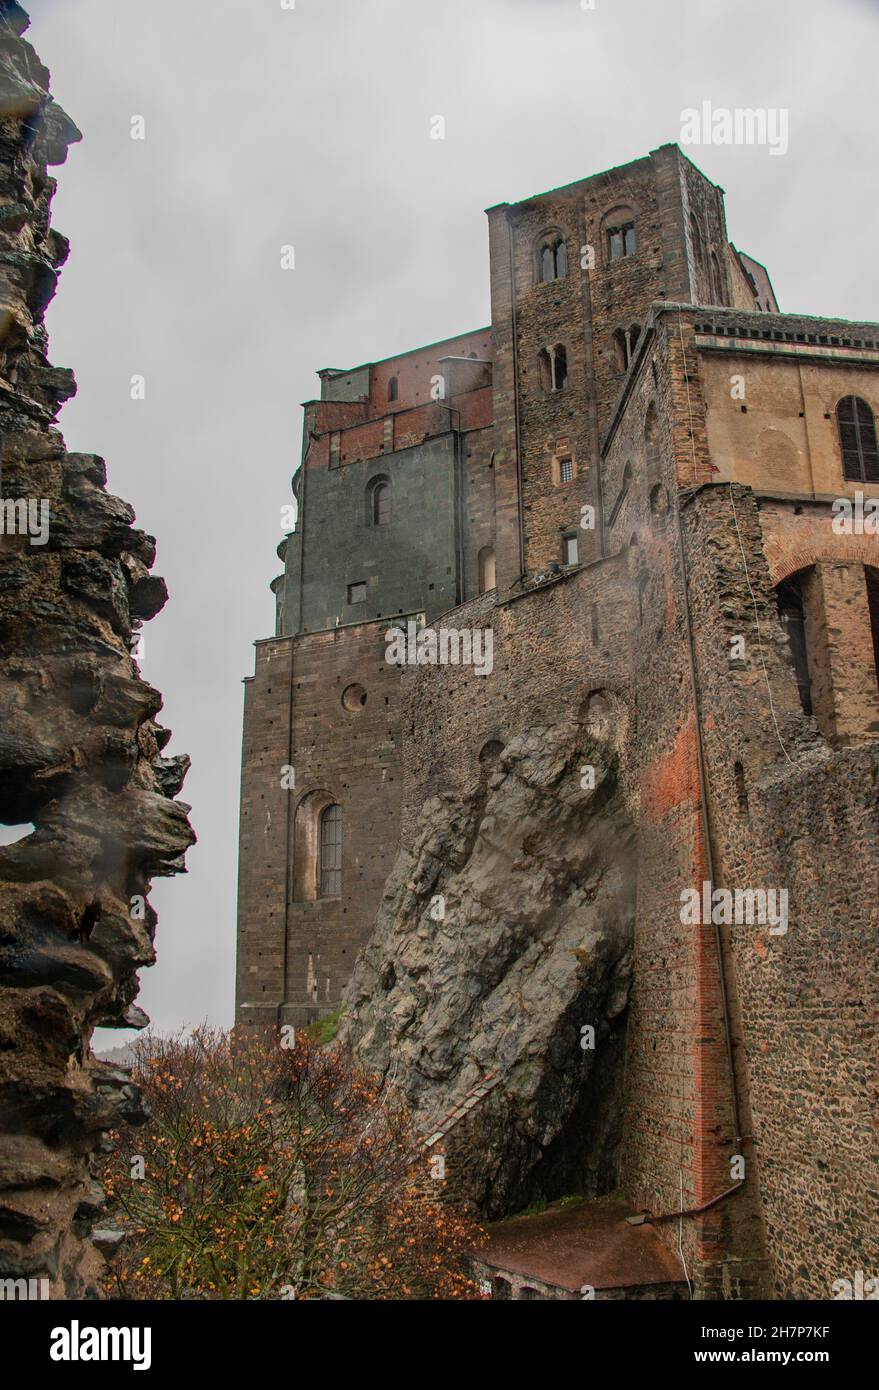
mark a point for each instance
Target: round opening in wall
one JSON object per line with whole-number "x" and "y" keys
{"x": 354, "y": 698}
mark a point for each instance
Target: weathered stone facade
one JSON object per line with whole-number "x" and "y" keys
{"x": 673, "y": 612}
{"x": 80, "y": 749}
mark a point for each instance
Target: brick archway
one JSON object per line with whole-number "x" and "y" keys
{"x": 785, "y": 559}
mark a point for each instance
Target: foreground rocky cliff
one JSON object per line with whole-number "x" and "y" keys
{"x": 80, "y": 752}
{"x": 504, "y": 933}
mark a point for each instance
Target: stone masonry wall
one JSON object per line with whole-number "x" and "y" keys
{"x": 296, "y": 952}
{"x": 581, "y": 311}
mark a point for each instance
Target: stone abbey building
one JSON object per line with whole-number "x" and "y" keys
{"x": 654, "y": 490}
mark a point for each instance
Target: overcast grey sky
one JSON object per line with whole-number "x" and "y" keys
{"x": 267, "y": 126}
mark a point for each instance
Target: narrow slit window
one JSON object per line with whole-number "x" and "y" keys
{"x": 381, "y": 505}
{"x": 571, "y": 552}
{"x": 559, "y": 369}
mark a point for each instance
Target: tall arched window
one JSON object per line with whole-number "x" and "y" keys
{"x": 620, "y": 350}
{"x": 552, "y": 368}
{"x": 625, "y": 341}
{"x": 616, "y": 233}
{"x": 857, "y": 439}
{"x": 487, "y": 577}
{"x": 552, "y": 257}
{"x": 381, "y": 504}
{"x": 392, "y": 389}
{"x": 331, "y": 852}
{"x": 378, "y": 501}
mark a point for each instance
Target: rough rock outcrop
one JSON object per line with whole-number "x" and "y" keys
{"x": 80, "y": 752}
{"x": 505, "y": 931}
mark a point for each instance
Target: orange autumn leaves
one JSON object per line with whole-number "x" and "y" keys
{"x": 275, "y": 1173}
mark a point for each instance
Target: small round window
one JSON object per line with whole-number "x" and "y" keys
{"x": 354, "y": 698}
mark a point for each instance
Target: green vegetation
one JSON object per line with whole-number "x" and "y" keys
{"x": 326, "y": 1028}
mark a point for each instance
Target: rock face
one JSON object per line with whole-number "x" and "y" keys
{"x": 80, "y": 751}
{"x": 506, "y": 931}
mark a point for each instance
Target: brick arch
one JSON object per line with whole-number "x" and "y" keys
{"x": 611, "y": 217}
{"x": 797, "y": 555}
{"x": 553, "y": 237}
{"x": 833, "y": 395}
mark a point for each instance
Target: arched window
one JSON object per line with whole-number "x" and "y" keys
{"x": 625, "y": 341}
{"x": 621, "y": 241}
{"x": 381, "y": 504}
{"x": 331, "y": 852}
{"x": 552, "y": 368}
{"x": 857, "y": 439}
{"x": 620, "y": 350}
{"x": 392, "y": 389}
{"x": 616, "y": 233}
{"x": 378, "y": 501}
{"x": 487, "y": 570}
{"x": 317, "y": 826}
{"x": 552, "y": 257}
